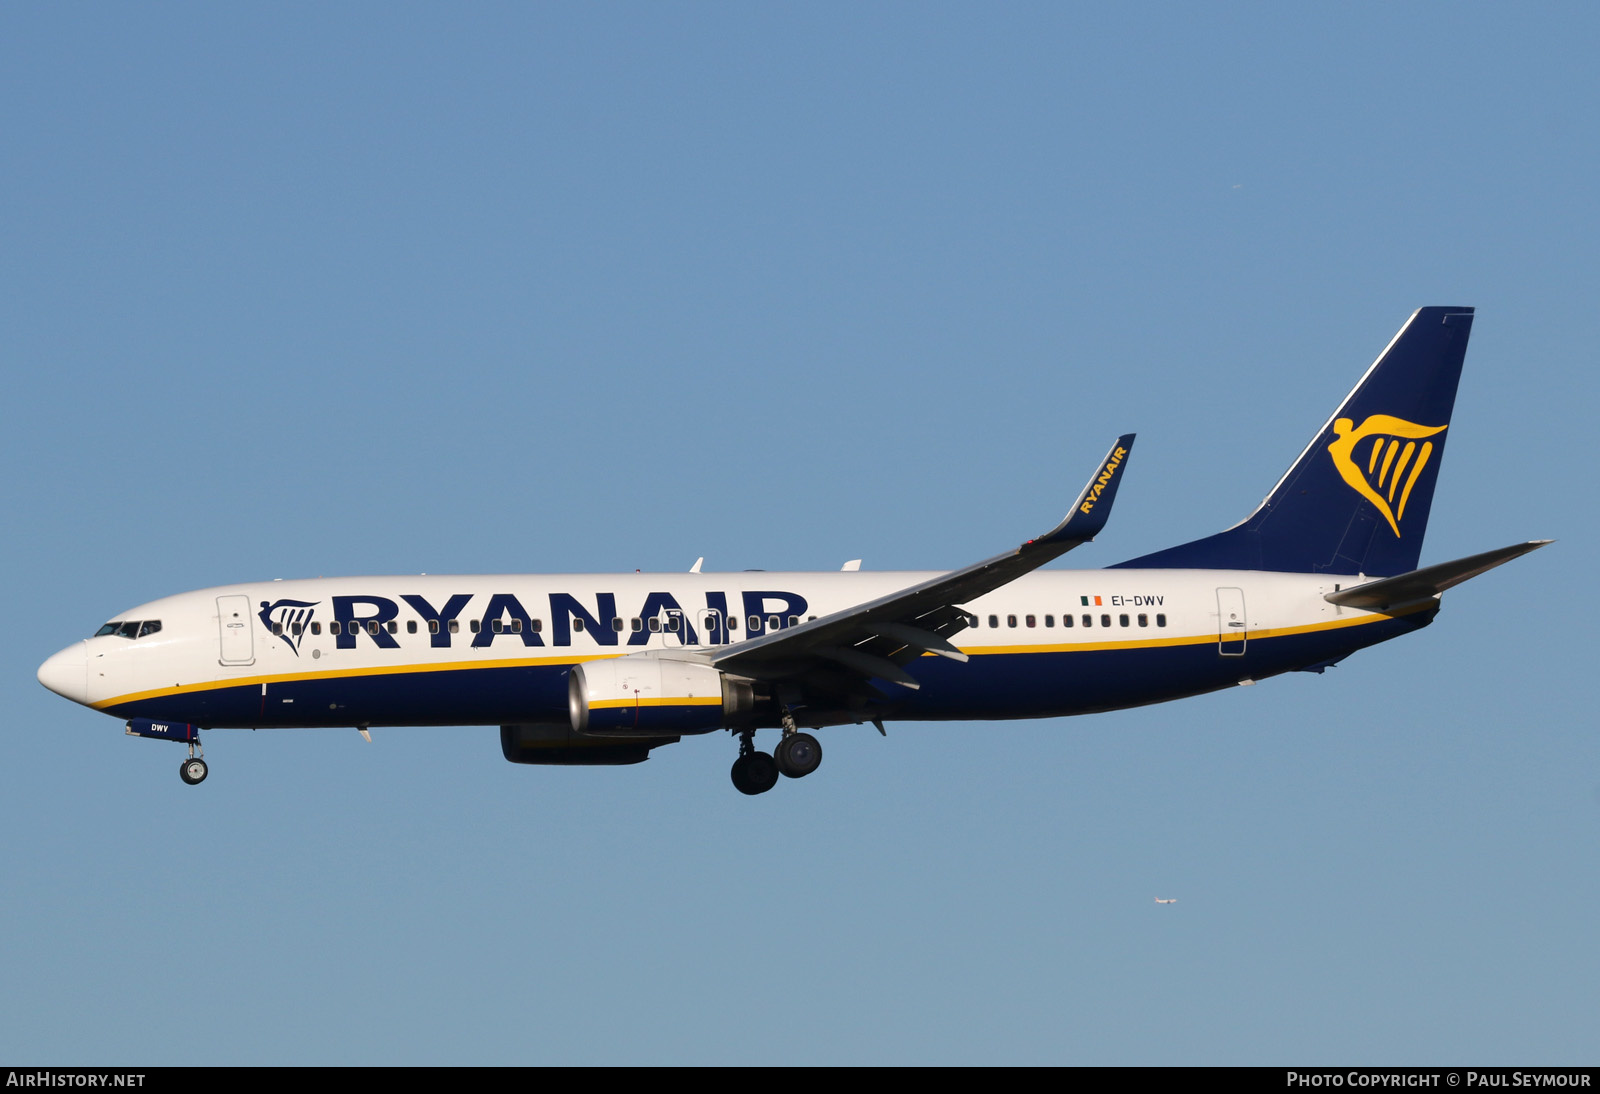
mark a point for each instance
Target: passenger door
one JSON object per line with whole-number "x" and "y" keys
{"x": 1231, "y": 628}
{"x": 234, "y": 631}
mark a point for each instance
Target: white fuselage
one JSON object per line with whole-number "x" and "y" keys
{"x": 485, "y": 649}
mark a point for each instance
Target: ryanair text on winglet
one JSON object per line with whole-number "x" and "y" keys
{"x": 1104, "y": 479}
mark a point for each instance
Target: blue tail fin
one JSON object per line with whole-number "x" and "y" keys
{"x": 1357, "y": 499}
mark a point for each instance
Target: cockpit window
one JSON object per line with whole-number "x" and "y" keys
{"x": 129, "y": 628}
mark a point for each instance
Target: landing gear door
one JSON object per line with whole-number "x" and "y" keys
{"x": 1231, "y": 629}
{"x": 234, "y": 630}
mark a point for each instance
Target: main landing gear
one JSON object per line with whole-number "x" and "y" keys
{"x": 796, "y": 756}
{"x": 193, "y": 770}
{"x": 753, "y": 772}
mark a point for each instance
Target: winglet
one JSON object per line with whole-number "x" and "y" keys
{"x": 1093, "y": 507}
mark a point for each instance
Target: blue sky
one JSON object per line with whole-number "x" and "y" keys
{"x": 289, "y": 291}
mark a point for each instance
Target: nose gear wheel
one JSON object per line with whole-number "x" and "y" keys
{"x": 193, "y": 770}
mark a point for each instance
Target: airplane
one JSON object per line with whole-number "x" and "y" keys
{"x": 603, "y": 669}
{"x": 1170, "y": 900}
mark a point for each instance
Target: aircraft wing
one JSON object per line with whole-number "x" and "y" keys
{"x": 876, "y": 638}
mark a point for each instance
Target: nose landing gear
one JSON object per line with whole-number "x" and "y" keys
{"x": 193, "y": 770}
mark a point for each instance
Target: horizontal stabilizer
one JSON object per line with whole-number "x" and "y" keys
{"x": 1392, "y": 592}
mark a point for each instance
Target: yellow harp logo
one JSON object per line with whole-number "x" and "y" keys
{"x": 1379, "y": 483}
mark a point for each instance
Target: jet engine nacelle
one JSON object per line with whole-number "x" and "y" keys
{"x": 556, "y": 743}
{"x": 641, "y": 696}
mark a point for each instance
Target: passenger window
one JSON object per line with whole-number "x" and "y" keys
{"x": 1144, "y": 620}
{"x": 773, "y": 622}
{"x": 316, "y": 628}
{"x": 616, "y": 623}
{"x": 1049, "y": 620}
{"x": 577, "y": 623}
{"x": 335, "y": 628}
{"x": 455, "y": 626}
{"x": 516, "y": 626}
{"x": 277, "y": 628}
{"x": 1161, "y": 620}
{"x": 496, "y": 626}
{"x": 1066, "y": 621}
{"x": 636, "y": 623}
{"x": 536, "y": 625}
{"x": 994, "y": 621}
{"x": 1105, "y": 620}
{"x": 294, "y": 629}
{"x": 755, "y": 622}
{"x": 793, "y": 619}
{"x": 475, "y": 625}
{"x": 372, "y": 626}
{"x": 733, "y": 622}
{"x": 1122, "y": 620}
{"x": 394, "y": 627}
{"x": 433, "y": 626}
{"x": 411, "y": 626}
{"x": 655, "y": 622}
{"x": 1031, "y": 621}
{"x": 672, "y": 623}
{"x": 1088, "y": 620}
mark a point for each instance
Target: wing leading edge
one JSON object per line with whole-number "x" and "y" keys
{"x": 876, "y": 639}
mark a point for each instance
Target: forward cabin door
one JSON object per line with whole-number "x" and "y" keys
{"x": 233, "y": 626}
{"x": 1231, "y": 629}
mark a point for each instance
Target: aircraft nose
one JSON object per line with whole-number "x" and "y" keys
{"x": 67, "y": 673}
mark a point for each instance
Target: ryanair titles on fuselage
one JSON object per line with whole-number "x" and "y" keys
{"x": 358, "y": 617}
